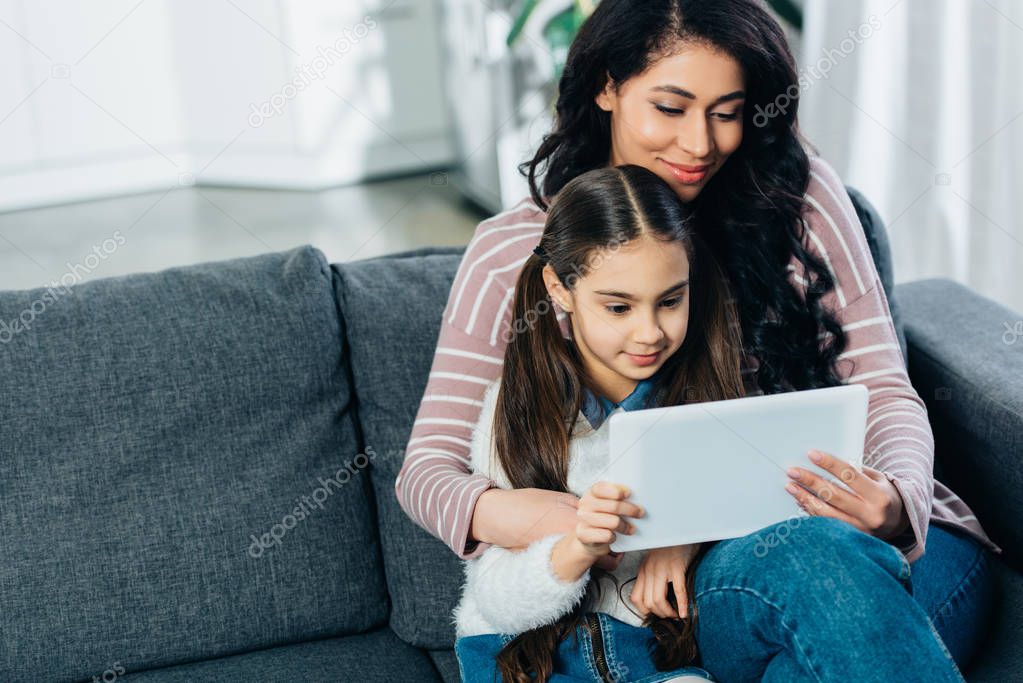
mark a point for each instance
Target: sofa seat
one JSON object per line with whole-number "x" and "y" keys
{"x": 377, "y": 656}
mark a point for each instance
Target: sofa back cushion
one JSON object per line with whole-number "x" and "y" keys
{"x": 179, "y": 476}
{"x": 391, "y": 307}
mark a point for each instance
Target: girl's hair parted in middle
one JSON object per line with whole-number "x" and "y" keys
{"x": 543, "y": 375}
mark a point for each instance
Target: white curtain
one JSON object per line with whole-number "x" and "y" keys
{"x": 919, "y": 104}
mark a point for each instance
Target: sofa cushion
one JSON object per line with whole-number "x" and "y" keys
{"x": 391, "y": 308}
{"x": 153, "y": 426}
{"x": 376, "y": 657}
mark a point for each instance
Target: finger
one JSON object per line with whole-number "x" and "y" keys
{"x": 606, "y": 521}
{"x": 835, "y": 494}
{"x": 637, "y": 594}
{"x": 610, "y": 491}
{"x": 616, "y": 507}
{"x": 663, "y": 608}
{"x": 843, "y": 471}
{"x": 649, "y": 597}
{"x": 594, "y": 535}
{"x": 818, "y": 508}
{"x": 678, "y": 584}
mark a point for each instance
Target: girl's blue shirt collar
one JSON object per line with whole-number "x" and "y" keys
{"x": 597, "y": 408}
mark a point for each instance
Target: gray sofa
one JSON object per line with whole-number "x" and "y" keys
{"x": 197, "y": 469}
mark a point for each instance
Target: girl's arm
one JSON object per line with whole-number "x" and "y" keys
{"x": 899, "y": 442}
{"x": 519, "y": 591}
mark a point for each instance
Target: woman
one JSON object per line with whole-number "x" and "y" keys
{"x": 673, "y": 86}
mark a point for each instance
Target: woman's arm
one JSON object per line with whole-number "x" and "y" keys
{"x": 899, "y": 442}
{"x": 435, "y": 487}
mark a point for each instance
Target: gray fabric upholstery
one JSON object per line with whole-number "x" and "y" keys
{"x": 392, "y": 310}
{"x": 1001, "y": 658}
{"x": 151, "y": 425}
{"x": 376, "y": 657}
{"x": 447, "y": 664}
{"x": 969, "y": 377}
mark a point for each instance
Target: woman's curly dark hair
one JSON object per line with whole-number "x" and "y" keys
{"x": 752, "y": 209}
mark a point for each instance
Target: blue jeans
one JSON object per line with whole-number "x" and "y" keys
{"x": 809, "y": 599}
{"x": 815, "y": 599}
{"x": 624, "y": 647}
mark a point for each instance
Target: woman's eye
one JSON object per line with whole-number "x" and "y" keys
{"x": 672, "y": 303}
{"x": 726, "y": 117}
{"x": 670, "y": 111}
{"x": 612, "y": 309}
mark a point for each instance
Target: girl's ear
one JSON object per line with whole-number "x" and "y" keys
{"x": 606, "y": 97}
{"x": 556, "y": 290}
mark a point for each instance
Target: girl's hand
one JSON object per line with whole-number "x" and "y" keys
{"x": 871, "y": 503}
{"x": 660, "y": 566}
{"x": 515, "y": 518}
{"x": 601, "y": 514}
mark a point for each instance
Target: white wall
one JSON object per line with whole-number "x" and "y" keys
{"x": 119, "y": 96}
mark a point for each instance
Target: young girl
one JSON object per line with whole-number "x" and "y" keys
{"x": 651, "y": 325}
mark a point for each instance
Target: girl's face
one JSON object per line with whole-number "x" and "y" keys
{"x": 681, "y": 118}
{"x": 629, "y": 314}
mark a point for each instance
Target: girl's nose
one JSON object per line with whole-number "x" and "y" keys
{"x": 649, "y": 334}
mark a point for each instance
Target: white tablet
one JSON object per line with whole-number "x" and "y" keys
{"x": 716, "y": 470}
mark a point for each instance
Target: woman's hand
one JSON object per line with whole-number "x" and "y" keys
{"x": 871, "y": 503}
{"x": 515, "y": 518}
{"x": 659, "y": 567}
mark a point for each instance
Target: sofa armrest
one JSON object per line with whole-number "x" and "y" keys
{"x": 966, "y": 362}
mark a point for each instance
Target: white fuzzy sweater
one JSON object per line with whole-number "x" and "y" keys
{"x": 512, "y": 592}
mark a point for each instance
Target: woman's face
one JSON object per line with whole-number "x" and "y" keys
{"x": 629, "y": 313}
{"x": 681, "y": 118}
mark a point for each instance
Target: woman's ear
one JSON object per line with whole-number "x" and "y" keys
{"x": 557, "y": 291}
{"x": 605, "y": 99}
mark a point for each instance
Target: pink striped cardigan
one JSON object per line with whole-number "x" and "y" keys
{"x": 436, "y": 487}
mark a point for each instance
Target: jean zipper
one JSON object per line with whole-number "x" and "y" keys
{"x": 597, "y": 636}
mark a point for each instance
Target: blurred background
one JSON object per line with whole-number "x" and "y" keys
{"x": 141, "y": 134}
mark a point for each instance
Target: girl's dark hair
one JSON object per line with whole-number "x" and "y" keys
{"x": 753, "y": 207}
{"x": 543, "y": 375}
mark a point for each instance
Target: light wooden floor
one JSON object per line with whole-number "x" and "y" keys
{"x": 149, "y": 232}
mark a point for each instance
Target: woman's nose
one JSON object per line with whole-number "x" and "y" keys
{"x": 694, "y": 137}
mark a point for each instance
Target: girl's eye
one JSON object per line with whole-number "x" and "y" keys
{"x": 670, "y": 111}
{"x": 726, "y": 117}
{"x": 614, "y": 309}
